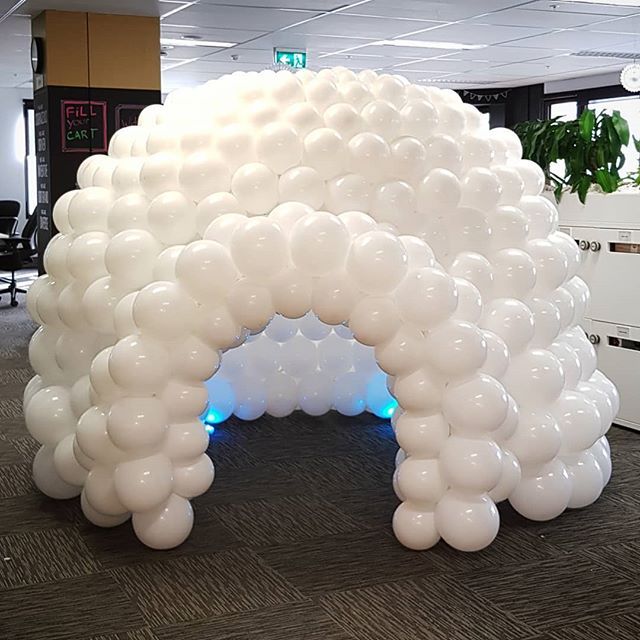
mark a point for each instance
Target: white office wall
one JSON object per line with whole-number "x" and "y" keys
{"x": 12, "y": 147}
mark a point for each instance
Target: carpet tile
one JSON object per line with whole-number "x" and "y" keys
{"x": 293, "y": 542}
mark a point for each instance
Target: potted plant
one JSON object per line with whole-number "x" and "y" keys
{"x": 591, "y": 147}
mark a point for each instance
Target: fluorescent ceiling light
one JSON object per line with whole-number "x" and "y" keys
{"x": 179, "y": 42}
{"x": 181, "y": 7}
{"x": 621, "y": 3}
{"x": 179, "y": 63}
{"x": 426, "y": 44}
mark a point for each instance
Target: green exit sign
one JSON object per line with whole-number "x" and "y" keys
{"x": 294, "y": 59}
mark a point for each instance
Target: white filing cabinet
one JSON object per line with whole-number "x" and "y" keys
{"x": 607, "y": 229}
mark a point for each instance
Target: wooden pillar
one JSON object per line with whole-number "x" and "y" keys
{"x": 95, "y": 73}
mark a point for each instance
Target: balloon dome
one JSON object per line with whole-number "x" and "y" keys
{"x": 272, "y": 242}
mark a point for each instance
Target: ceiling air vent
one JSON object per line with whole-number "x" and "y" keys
{"x": 607, "y": 54}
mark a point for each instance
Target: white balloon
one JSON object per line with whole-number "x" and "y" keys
{"x": 467, "y": 522}
{"x": 172, "y": 218}
{"x": 256, "y": 188}
{"x": 164, "y": 311}
{"x": 587, "y": 479}
{"x": 377, "y": 261}
{"x": 47, "y": 478}
{"x": 422, "y": 435}
{"x": 282, "y": 395}
{"x": 421, "y": 480}
{"x": 49, "y": 416}
{"x": 456, "y": 348}
{"x": 537, "y": 438}
{"x": 251, "y": 397}
{"x": 145, "y": 483}
{"x": 319, "y": 243}
{"x": 426, "y": 297}
{"x": 471, "y": 464}
{"x": 167, "y": 525}
{"x": 193, "y": 477}
{"x": 476, "y": 405}
{"x": 415, "y": 528}
{"x": 509, "y": 479}
{"x": 206, "y": 271}
{"x": 258, "y": 248}
{"x": 545, "y": 494}
{"x": 315, "y": 394}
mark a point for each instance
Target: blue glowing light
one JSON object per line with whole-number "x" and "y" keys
{"x": 212, "y": 416}
{"x": 379, "y": 401}
{"x": 387, "y": 411}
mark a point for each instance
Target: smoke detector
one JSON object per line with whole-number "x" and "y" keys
{"x": 630, "y": 77}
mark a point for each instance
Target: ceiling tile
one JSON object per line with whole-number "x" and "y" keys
{"x": 247, "y": 54}
{"x": 307, "y": 5}
{"x": 476, "y": 33}
{"x": 445, "y": 10}
{"x": 344, "y": 24}
{"x": 435, "y": 64}
{"x": 140, "y": 7}
{"x": 217, "y": 35}
{"x": 548, "y": 19}
{"x": 582, "y": 7}
{"x": 575, "y": 40}
{"x": 629, "y": 25}
{"x": 507, "y": 53}
{"x": 389, "y": 51}
{"x": 237, "y": 17}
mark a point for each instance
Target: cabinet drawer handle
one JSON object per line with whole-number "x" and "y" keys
{"x": 584, "y": 245}
{"x": 594, "y": 338}
{"x": 595, "y": 246}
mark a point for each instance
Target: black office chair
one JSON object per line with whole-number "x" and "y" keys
{"x": 9, "y": 211}
{"x": 11, "y": 251}
{"x": 7, "y": 225}
{"x": 17, "y": 252}
{"x": 29, "y": 248}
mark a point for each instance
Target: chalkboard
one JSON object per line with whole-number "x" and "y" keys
{"x": 127, "y": 114}
{"x": 84, "y": 126}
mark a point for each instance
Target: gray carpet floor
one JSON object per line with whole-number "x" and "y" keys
{"x": 293, "y": 542}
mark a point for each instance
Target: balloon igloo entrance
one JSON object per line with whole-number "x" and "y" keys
{"x": 287, "y": 213}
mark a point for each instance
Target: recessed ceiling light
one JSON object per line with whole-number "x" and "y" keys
{"x": 622, "y": 3}
{"x": 426, "y": 44}
{"x": 181, "y": 42}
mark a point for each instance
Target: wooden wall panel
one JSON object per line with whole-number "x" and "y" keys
{"x": 65, "y": 44}
{"x": 124, "y": 51}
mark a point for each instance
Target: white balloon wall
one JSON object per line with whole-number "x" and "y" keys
{"x": 316, "y": 208}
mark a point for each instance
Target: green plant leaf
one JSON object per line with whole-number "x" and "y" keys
{"x": 587, "y": 122}
{"x": 621, "y": 126}
{"x": 582, "y": 187}
{"x": 557, "y": 192}
{"x": 608, "y": 183}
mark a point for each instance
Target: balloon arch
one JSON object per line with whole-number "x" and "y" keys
{"x": 273, "y": 242}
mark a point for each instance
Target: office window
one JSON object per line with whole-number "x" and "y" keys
{"x": 564, "y": 110}
{"x": 629, "y": 108}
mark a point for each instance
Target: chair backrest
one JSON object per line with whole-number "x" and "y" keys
{"x": 7, "y": 225}
{"x": 9, "y": 208}
{"x": 29, "y": 229}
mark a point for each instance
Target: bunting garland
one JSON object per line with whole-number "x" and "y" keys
{"x": 487, "y": 97}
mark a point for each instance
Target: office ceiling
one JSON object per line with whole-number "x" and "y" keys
{"x": 521, "y": 41}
